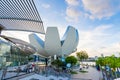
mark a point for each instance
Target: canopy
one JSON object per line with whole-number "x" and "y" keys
{"x": 20, "y": 15}
{"x": 22, "y": 45}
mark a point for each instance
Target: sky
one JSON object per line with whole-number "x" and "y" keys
{"x": 98, "y": 22}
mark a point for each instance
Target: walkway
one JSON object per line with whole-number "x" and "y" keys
{"x": 33, "y": 76}
{"x": 40, "y": 77}
{"x": 19, "y": 77}
{"x": 92, "y": 74}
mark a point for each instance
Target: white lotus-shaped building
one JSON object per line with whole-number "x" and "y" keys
{"x": 53, "y": 45}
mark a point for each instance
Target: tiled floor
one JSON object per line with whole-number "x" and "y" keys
{"x": 39, "y": 77}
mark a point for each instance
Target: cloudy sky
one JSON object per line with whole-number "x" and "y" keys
{"x": 98, "y": 22}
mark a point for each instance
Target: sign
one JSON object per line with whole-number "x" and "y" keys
{"x": 68, "y": 65}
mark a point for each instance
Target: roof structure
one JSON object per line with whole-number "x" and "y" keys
{"x": 20, "y": 15}
{"x": 22, "y": 45}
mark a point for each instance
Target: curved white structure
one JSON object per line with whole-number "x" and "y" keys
{"x": 53, "y": 45}
{"x": 38, "y": 44}
{"x": 52, "y": 41}
{"x": 70, "y": 41}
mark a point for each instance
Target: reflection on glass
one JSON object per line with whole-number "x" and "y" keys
{"x": 11, "y": 55}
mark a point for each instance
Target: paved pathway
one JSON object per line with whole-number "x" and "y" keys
{"x": 22, "y": 76}
{"x": 92, "y": 74}
{"x": 40, "y": 77}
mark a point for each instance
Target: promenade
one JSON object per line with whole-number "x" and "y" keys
{"x": 92, "y": 74}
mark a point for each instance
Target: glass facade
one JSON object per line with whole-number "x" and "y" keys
{"x": 11, "y": 55}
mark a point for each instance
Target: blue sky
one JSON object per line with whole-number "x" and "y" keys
{"x": 98, "y": 22}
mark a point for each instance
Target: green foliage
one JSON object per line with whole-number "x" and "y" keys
{"x": 100, "y": 61}
{"x": 30, "y": 58}
{"x": 112, "y": 61}
{"x": 82, "y": 71}
{"x": 57, "y": 63}
{"x": 82, "y": 55}
{"x": 73, "y": 72}
{"x": 71, "y": 59}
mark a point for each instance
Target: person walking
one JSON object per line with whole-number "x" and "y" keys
{"x": 4, "y": 73}
{"x": 33, "y": 67}
{"x": 18, "y": 71}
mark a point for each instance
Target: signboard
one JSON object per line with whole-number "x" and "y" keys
{"x": 68, "y": 65}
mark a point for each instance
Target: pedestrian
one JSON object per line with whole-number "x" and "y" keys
{"x": 33, "y": 67}
{"x": 98, "y": 67}
{"x": 30, "y": 68}
{"x": 4, "y": 72}
{"x": 18, "y": 70}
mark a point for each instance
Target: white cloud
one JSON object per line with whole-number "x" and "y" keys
{"x": 99, "y": 8}
{"x": 70, "y": 19}
{"x": 72, "y": 2}
{"x": 93, "y": 9}
{"x": 46, "y": 6}
{"x": 97, "y": 41}
{"x": 72, "y": 14}
{"x": 103, "y": 27}
{"x": 111, "y": 49}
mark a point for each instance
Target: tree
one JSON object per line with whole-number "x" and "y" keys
{"x": 82, "y": 55}
{"x": 100, "y": 61}
{"x": 71, "y": 59}
{"x": 58, "y": 63}
{"x": 30, "y": 58}
{"x": 112, "y": 61}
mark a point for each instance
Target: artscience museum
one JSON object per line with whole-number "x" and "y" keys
{"x": 53, "y": 45}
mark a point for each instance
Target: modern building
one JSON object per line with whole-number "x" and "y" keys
{"x": 53, "y": 45}
{"x": 14, "y": 54}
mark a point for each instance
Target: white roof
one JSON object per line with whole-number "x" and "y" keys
{"x": 20, "y": 15}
